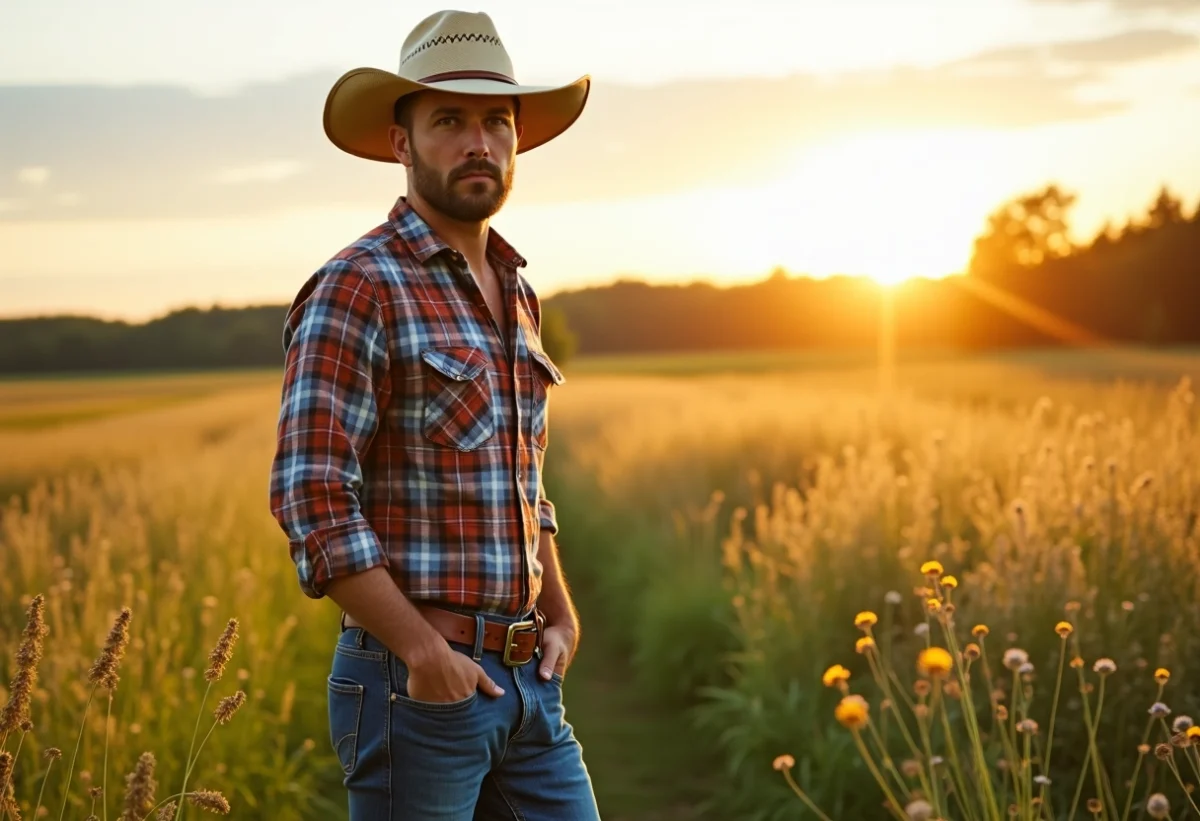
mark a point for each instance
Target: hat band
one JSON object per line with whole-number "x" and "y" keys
{"x": 468, "y": 75}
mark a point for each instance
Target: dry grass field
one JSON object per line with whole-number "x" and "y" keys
{"x": 723, "y": 527}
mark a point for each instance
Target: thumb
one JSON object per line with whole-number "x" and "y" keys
{"x": 487, "y": 685}
{"x": 552, "y": 662}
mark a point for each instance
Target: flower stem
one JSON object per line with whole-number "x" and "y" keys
{"x": 191, "y": 751}
{"x": 71, "y": 770}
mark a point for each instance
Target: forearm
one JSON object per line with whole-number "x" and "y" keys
{"x": 373, "y": 600}
{"x": 555, "y": 600}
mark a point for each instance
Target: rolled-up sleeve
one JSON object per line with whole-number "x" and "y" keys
{"x": 547, "y": 518}
{"x": 336, "y": 381}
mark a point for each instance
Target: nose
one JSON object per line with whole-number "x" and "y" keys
{"x": 476, "y": 142}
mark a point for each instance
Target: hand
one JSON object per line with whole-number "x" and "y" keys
{"x": 558, "y": 649}
{"x": 446, "y": 676}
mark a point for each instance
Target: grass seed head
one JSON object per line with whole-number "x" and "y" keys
{"x": 210, "y": 801}
{"x": 104, "y": 670}
{"x": 222, "y": 652}
{"x": 228, "y": 706}
{"x": 140, "y": 787}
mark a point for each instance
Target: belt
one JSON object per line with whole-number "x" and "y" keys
{"x": 518, "y": 642}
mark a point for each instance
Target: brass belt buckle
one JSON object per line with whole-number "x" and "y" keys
{"x": 510, "y": 644}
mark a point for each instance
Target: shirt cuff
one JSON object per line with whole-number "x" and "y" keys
{"x": 329, "y": 553}
{"x": 546, "y": 516}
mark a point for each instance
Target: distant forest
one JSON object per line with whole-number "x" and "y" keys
{"x": 1027, "y": 285}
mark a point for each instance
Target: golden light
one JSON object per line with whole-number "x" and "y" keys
{"x": 890, "y": 205}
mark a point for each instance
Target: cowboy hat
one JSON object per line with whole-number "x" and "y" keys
{"x": 453, "y": 51}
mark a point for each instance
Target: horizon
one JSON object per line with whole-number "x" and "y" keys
{"x": 187, "y": 168}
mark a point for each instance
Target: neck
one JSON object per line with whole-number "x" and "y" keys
{"x": 468, "y": 238}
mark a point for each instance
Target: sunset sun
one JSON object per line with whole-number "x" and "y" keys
{"x": 890, "y": 205}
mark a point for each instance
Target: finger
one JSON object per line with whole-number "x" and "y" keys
{"x": 554, "y": 661}
{"x": 487, "y": 685}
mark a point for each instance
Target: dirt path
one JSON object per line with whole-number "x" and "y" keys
{"x": 644, "y": 760}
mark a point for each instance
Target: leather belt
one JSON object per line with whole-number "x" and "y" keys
{"x": 518, "y": 642}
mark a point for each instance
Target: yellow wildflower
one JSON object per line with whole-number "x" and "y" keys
{"x": 979, "y": 631}
{"x": 837, "y": 674}
{"x": 852, "y": 712}
{"x": 1162, "y": 675}
{"x": 1193, "y": 732}
{"x": 864, "y": 644}
{"x": 1064, "y": 629}
{"x": 935, "y": 662}
{"x": 865, "y": 620}
{"x": 932, "y": 569}
{"x": 949, "y": 582}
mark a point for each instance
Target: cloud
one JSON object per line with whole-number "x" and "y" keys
{"x": 1137, "y": 5}
{"x": 1114, "y": 50}
{"x": 128, "y": 152}
{"x": 33, "y": 175}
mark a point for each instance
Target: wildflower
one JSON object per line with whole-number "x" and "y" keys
{"x": 228, "y": 706}
{"x": 1158, "y": 806}
{"x": 1076, "y": 663}
{"x": 893, "y": 597}
{"x": 921, "y": 688}
{"x": 932, "y": 569}
{"x": 1143, "y": 749}
{"x": 864, "y": 644}
{"x": 104, "y": 670}
{"x": 1063, "y": 628}
{"x": 1105, "y": 666}
{"x": 972, "y": 652}
{"x": 1026, "y": 669}
{"x": 1193, "y": 733}
{"x": 783, "y": 762}
{"x": 835, "y": 675}
{"x": 936, "y": 761}
{"x": 949, "y": 582}
{"x": 1014, "y": 657}
{"x": 935, "y": 662}
{"x": 911, "y": 768}
{"x": 921, "y": 629}
{"x": 1162, "y": 675}
{"x": 220, "y": 655}
{"x": 1159, "y": 710}
{"x": 933, "y": 605}
{"x": 865, "y": 620}
{"x": 979, "y": 631}
{"x": 52, "y": 753}
{"x": 1041, "y": 780}
{"x": 1094, "y": 806}
{"x": 852, "y": 712}
{"x": 1163, "y": 751}
{"x": 1181, "y": 723}
{"x": 209, "y": 800}
{"x": 1027, "y": 725}
{"x": 919, "y": 810}
{"x": 139, "y": 789}
{"x": 1001, "y": 712}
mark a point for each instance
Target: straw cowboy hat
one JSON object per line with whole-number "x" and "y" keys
{"x": 451, "y": 51}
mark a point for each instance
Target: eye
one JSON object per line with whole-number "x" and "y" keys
{"x": 445, "y": 120}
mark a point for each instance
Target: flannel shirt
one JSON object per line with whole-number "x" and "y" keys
{"x": 411, "y": 434}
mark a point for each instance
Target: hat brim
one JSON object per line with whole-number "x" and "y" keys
{"x": 358, "y": 109}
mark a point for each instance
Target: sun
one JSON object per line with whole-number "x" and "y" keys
{"x": 889, "y": 205}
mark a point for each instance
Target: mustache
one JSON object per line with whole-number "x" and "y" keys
{"x": 476, "y": 167}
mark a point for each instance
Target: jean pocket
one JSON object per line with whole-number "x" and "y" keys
{"x": 401, "y": 696}
{"x": 345, "y": 716}
{"x": 460, "y": 411}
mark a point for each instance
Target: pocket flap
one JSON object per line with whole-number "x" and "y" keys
{"x": 460, "y": 363}
{"x": 548, "y": 365}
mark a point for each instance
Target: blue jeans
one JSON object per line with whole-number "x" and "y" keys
{"x": 483, "y": 758}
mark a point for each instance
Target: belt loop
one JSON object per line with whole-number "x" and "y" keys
{"x": 477, "y": 655}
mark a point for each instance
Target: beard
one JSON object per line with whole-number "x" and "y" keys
{"x": 474, "y": 202}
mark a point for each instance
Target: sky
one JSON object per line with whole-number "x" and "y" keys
{"x": 158, "y": 155}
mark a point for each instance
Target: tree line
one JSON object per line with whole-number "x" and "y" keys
{"x": 1027, "y": 284}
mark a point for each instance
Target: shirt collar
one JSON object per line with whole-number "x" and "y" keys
{"x": 425, "y": 244}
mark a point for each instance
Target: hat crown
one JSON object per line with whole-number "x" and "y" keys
{"x": 452, "y": 42}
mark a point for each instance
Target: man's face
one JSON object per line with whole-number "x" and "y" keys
{"x": 462, "y": 150}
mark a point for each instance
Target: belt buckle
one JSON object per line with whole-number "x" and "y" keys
{"x": 510, "y": 644}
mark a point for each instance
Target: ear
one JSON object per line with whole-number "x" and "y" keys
{"x": 399, "y": 141}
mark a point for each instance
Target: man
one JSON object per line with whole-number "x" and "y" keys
{"x": 412, "y": 434}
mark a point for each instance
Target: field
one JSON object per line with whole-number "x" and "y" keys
{"x": 724, "y": 521}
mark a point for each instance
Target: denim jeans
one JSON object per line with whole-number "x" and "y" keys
{"x": 514, "y": 757}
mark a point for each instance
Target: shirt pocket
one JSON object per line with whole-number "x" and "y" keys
{"x": 460, "y": 408}
{"x": 545, "y": 374}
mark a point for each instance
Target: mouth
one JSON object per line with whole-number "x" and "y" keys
{"x": 475, "y": 177}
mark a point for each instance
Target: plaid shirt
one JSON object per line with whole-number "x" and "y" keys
{"x": 410, "y": 435}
